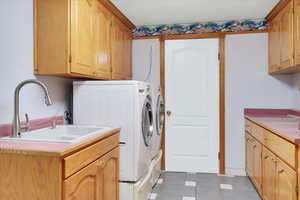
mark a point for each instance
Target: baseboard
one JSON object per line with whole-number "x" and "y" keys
{"x": 235, "y": 172}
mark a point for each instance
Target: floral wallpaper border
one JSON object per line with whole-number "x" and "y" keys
{"x": 196, "y": 28}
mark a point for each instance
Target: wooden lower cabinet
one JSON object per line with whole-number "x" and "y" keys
{"x": 98, "y": 181}
{"x": 249, "y": 156}
{"x": 273, "y": 178}
{"x": 257, "y": 173}
{"x": 253, "y": 161}
{"x": 286, "y": 182}
{"x": 89, "y": 171}
{"x": 269, "y": 175}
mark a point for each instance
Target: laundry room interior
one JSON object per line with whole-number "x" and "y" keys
{"x": 150, "y": 100}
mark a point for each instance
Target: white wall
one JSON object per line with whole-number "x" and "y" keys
{"x": 16, "y": 64}
{"x": 296, "y": 92}
{"x": 146, "y": 61}
{"x": 248, "y": 85}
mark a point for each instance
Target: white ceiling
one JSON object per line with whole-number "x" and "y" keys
{"x": 153, "y": 12}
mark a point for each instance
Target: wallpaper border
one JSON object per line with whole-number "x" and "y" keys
{"x": 198, "y": 28}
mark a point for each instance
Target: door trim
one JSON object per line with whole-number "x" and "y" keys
{"x": 221, "y": 38}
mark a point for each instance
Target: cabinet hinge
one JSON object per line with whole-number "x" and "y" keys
{"x": 70, "y": 59}
{"x": 110, "y": 70}
{"x": 219, "y": 56}
{"x": 297, "y": 189}
{"x": 219, "y": 155}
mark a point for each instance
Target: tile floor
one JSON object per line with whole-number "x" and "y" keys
{"x": 186, "y": 186}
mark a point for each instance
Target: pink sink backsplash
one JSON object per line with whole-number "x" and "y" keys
{"x": 6, "y": 129}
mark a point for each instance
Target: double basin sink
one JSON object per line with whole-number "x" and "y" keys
{"x": 60, "y": 134}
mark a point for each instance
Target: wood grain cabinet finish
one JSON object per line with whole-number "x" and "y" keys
{"x": 121, "y": 50}
{"x": 273, "y": 175}
{"x": 97, "y": 181}
{"x": 284, "y": 39}
{"x": 44, "y": 176}
{"x": 286, "y": 182}
{"x": 274, "y": 45}
{"x": 297, "y": 32}
{"x": 76, "y": 38}
{"x": 253, "y": 161}
{"x": 269, "y": 175}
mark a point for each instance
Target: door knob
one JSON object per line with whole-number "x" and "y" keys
{"x": 169, "y": 112}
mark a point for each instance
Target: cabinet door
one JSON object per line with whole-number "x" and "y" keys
{"x": 297, "y": 31}
{"x": 249, "y": 156}
{"x": 82, "y": 45}
{"x": 121, "y": 50}
{"x": 109, "y": 176}
{"x": 83, "y": 185}
{"x": 128, "y": 55}
{"x": 97, "y": 181}
{"x": 286, "y": 37}
{"x": 269, "y": 175}
{"x": 257, "y": 168}
{"x": 117, "y": 46}
{"x": 274, "y": 45}
{"x": 102, "y": 41}
{"x": 285, "y": 182}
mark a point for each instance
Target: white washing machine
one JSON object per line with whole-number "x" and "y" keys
{"x": 146, "y": 67}
{"x": 124, "y": 104}
{"x": 159, "y": 121}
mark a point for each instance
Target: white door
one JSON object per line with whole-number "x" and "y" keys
{"x": 192, "y": 99}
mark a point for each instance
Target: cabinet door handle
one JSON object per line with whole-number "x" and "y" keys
{"x": 100, "y": 163}
{"x": 281, "y": 171}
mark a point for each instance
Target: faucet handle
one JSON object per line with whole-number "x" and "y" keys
{"x": 25, "y": 127}
{"x": 53, "y": 124}
{"x": 27, "y": 118}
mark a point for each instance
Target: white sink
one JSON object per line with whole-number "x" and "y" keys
{"x": 61, "y": 134}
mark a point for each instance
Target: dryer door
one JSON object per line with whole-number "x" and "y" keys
{"x": 147, "y": 121}
{"x": 160, "y": 115}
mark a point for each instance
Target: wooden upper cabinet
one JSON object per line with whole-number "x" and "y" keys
{"x": 269, "y": 174}
{"x": 297, "y": 32}
{"x": 102, "y": 41}
{"x": 286, "y": 37}
{"x": 121, "y": 50}
{"x": 274, "y": 45}
{"x": 286, "y": 182}
{"x": 81, "y": 38}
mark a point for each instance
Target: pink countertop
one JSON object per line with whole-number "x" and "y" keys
{"x": 49, "y": 148}
{"x": 282, "y": 122}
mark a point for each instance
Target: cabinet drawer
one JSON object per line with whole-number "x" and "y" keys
{"x": 248, "y": 126}
{"x": 88, "y": 155}
{"x": 284, "y": 149}
{"x": 255, "y": 130}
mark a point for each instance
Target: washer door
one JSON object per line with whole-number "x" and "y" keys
{"x": 147, "y": 121}
{"x": 160, "y": 115}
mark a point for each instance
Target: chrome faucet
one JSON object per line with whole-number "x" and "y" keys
{"x": 17, "y": 127}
